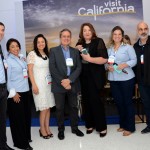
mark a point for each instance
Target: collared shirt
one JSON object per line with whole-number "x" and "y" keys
{"x": 16, "y": 79}
{"x": 2, "y": 72}
{"x": 125, "y": 54}
{"x": 66, "y": 53}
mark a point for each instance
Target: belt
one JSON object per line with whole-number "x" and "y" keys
{"x": 3, "y": 85}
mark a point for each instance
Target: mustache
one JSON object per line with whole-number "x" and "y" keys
{"x": 144, "y": 34}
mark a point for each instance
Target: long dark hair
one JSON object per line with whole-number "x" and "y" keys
{"x": 81, "y": 38}
{"x": 35, "y": 45}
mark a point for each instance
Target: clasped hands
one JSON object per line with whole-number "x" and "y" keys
{"x": 66, "y": 84}
{"x": 119, "y": 67}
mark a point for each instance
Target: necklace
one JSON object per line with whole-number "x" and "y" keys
{"x": 44, "y": 58}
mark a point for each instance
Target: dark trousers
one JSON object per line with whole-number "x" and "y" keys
{"x": 92, "y": 103}
{"x": 73, "y": 110}
{"x": 145, "y": 97}
{"x": 20, "y": 120}
{"x": 3, "y": 106}
{"x": 122, "y": 92}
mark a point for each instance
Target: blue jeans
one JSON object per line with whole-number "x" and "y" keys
{"x": 122, "y": 92}
{"x": 145, "y": 97}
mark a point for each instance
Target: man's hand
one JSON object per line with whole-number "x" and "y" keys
{"x": 68, "y": 87}
{"x": 66, "y": 83}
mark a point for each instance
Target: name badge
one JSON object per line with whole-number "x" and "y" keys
{"x": 111, "y": 59}
{"x": 48, "y": 79}
{"x": 25, "y": 73}
{"x": 142, "y": 59}
{"x": 69, "y": 62}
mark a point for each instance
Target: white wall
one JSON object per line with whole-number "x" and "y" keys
{"x": 11, "y": 14}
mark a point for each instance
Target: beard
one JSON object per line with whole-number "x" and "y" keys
{"x": 143, "y": 35}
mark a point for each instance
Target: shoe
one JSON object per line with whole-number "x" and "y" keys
{"x": 120, "y": 129}
{"x": 127, "y": 133}
{"x": 61, "y": 135}
{"x": 103, "y": 134}
{"x": 43, "y": 136}
{"x": 29, "y": 141}
{"x": 77, "y": 132}
{"x": 89, "y": 131}
{"x": 29, "y": 148}
{"x": 51, "y": 135}
{"x": 7, "y": 148}
{"x": 146, "y": 130}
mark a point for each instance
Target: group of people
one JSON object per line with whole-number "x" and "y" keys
{"x": 64, "y": 72}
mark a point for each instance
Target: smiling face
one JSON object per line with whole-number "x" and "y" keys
{"x": 117, "y": 36}
{"x": 65, "y": 38}
{"x": 87, "y": 33}
{"x": 2, "y": 29}
{"x": 14, "y": 48}
{"x": 41, "y": 44}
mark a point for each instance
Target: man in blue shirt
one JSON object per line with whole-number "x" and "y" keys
{"x": 3, "y": 97}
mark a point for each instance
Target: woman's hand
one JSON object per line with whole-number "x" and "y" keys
{"x": 79, "y": 47}
{"x": 110, "y": 68}
{"x": 35, "y": 89}
{"x": 16, "y": 98}
{"x": 122, "y": 66}
{"x": 86, "y": 57}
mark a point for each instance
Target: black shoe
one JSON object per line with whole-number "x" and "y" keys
{"x": 29, "y": 148}
{"x": 89, "y": 131}
{"x": 103, "y": 134}
{"x": 29, "y": 141}
{"x": 61, "y": 135}
{"x": 51, "y": 135}
{"x": 77, "y": 132}
{"x": 43, "y": 136}
{"x": 7, "y": 148}
{"x": 146, "y": 130}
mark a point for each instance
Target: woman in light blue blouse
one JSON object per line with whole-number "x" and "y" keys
{"x": 18, "y": 102}
{"x": 122, "y": 58}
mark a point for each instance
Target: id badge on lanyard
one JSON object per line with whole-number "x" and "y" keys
{"x": 111, "y": 59}
{"x": 142, "y": 59}
{"x": 69, "y": 62}
{"x": 48, "y": 79}
{"x": 25, "y": 73}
